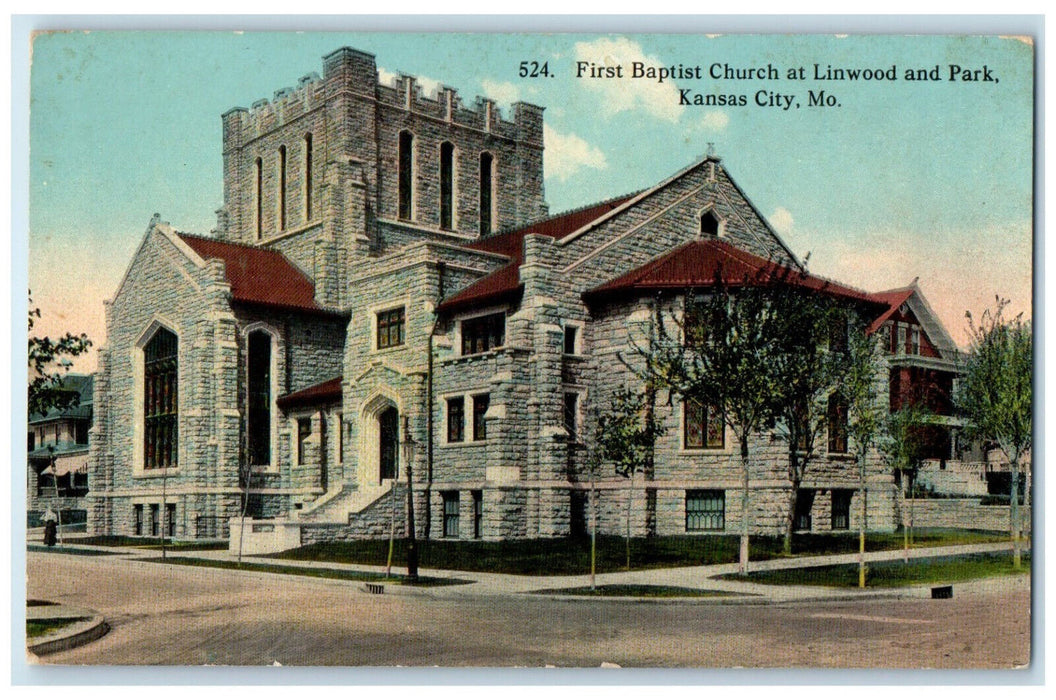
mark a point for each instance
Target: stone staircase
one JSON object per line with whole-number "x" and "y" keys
{"x": 336, "y": 505}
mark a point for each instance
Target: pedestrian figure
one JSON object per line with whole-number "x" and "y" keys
{"x": 50, "y": 522}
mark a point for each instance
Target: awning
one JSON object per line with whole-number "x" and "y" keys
{"x": 62, "y": 467}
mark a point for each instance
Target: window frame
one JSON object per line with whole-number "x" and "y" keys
{"x": 461, "y": 423}
{"x": 480, "y": 416}
{"x": 481, "y": 318}
{"x": 836, "y": 410}
{"x": 448, "y": 195}
{"x": 712, "y": 413}
{"x": 577, "y": 340}
{"x": 147, "y": 402}
{"x": 450, "y": 516}
{"x": 575, "y": 415}
{"x": 405, "y": 175}
{"x": 400, "y": 323}
{"x": 704, "y": 515}
{"x": 301, "y": 436}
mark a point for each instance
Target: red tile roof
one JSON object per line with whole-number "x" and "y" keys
{"x": 892, "y": 299}
{"x": 324, "y": 392}
{"x": 704, "y": 263}
{"x": 258, "y": 275}
{"x": 504, "y": 284}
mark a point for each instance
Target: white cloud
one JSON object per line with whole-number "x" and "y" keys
{"x": 625, "y": 94}
{"x": 567, "y": 154}
{"x": 715, "y": 120}
{"x": 504, "y": 94}
{"x": 781, "y": 220}
{"x": 429, "y": 86}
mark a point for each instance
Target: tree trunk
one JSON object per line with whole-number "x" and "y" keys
{"x": 861, "y": 520}
{"x": 1013, "y": 514}
{"x": 793, "y": 499}
{"x": 627, "y": 540}
{"x": 744, "y": 507}
{"x": 905, "y": 521}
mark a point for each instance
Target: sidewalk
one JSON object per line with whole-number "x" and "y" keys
{"x": 484, "y": 584}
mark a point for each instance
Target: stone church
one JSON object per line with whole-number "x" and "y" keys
{"x": 386, "y": 290}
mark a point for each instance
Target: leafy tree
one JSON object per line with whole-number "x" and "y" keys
{"x": 625, "y": 435}
{"x": 49, "y": 362}
{"x": 866, "y": 415}
{"x": 903, "y": 444}
{"x": 723, "y": 357}
{"x": 808, "y": 361}
{"x": 996, "y": 395}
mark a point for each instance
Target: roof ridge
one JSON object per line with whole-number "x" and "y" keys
{"x": 233, "y": 244}
{"x": 553, "y": 217}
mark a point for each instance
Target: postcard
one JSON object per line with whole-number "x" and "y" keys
{"x": 530, "y": 350}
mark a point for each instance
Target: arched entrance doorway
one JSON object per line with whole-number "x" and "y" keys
{"x": 388, "y": 443}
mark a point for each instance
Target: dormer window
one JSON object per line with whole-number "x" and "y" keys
{"x": 709, "y": 224}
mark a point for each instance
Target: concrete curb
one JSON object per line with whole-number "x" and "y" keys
{"x": 73, "y": 635}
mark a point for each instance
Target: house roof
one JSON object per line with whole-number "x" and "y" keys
{"x": 892, "y": 298}
{"x": 321, "y": 393}
{"x": 703, "y": 263}
{"x": 82, "y": 384}
{"x": 504, "y": 284}
{"x": 258, "y": 275}
{"x": 57, "y": 449}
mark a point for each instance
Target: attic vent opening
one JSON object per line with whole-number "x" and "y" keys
{"x": 709, "y": 224}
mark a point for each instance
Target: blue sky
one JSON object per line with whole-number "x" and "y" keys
{"x": 903, "y": 179}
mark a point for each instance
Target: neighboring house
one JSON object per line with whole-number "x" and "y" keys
{"x": 385, "y": 285}
{"x": 57, "y": 456}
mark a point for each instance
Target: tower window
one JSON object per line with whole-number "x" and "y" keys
{"x": 259, "y": 199}
{"x": 307, "y": 177}
{"x": 487, "y": 184}
{"x": 406, "y": 174}
{"x": 447, "y": 185}
{"x": 282, "y": 188}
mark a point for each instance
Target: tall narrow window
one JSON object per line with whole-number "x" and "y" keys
{"x": 841, "y": 508}
{"x": 447, "y": 185}
{"x": 478, "y": 513}
{"x": 837, "y": 419}
{"x": 155, "y": 520}
{"x": 137, "y": 519}
{"x": 450, "y": 499}
{"x": 480, "y": 425}
{"x": 282, "y": 188}
{"x": 487, "y": 183}
{"x": 258, "y": 196}
{"x": 170, "y": 519}
{"x": 456, "y": 417}
{"x": 160, "y": 400}
{"x": 258, "y": 418}
{"x": 406, "y": 175}
{"x": 304, "y": 431}
{"x": 340, "y": 438}
{"x": 307, "y": 177}
{"x": 571, "y": 415}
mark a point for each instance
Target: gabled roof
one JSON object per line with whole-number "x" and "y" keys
{"x": 321, "y": 393}
{"x": 703, "y": 263}
{"x": 892, "y": 298}
{"x": 504, "y": 284}
{"x": 82, "y": 385}
{"x": 258, "y": 275}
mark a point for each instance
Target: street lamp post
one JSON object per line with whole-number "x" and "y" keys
{"x": 408, "y": 459}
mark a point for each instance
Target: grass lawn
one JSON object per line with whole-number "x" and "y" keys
{"x": 892, "y": 574}
{"x": 570, "y": 556}
{"x": 40, "y": 628}
{"x": 636, "y": 591}
{"x": 366, "y": 576}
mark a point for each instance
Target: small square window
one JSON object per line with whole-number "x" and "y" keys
{"x": 483, "y": 333}
{"x": 456, "y": 419}
{"x": 480, "y": 425}
{"x": 705, "y": 510}
{"x": 391, "y": 328}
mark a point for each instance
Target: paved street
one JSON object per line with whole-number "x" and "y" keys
{"x": 165, "y": 614}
